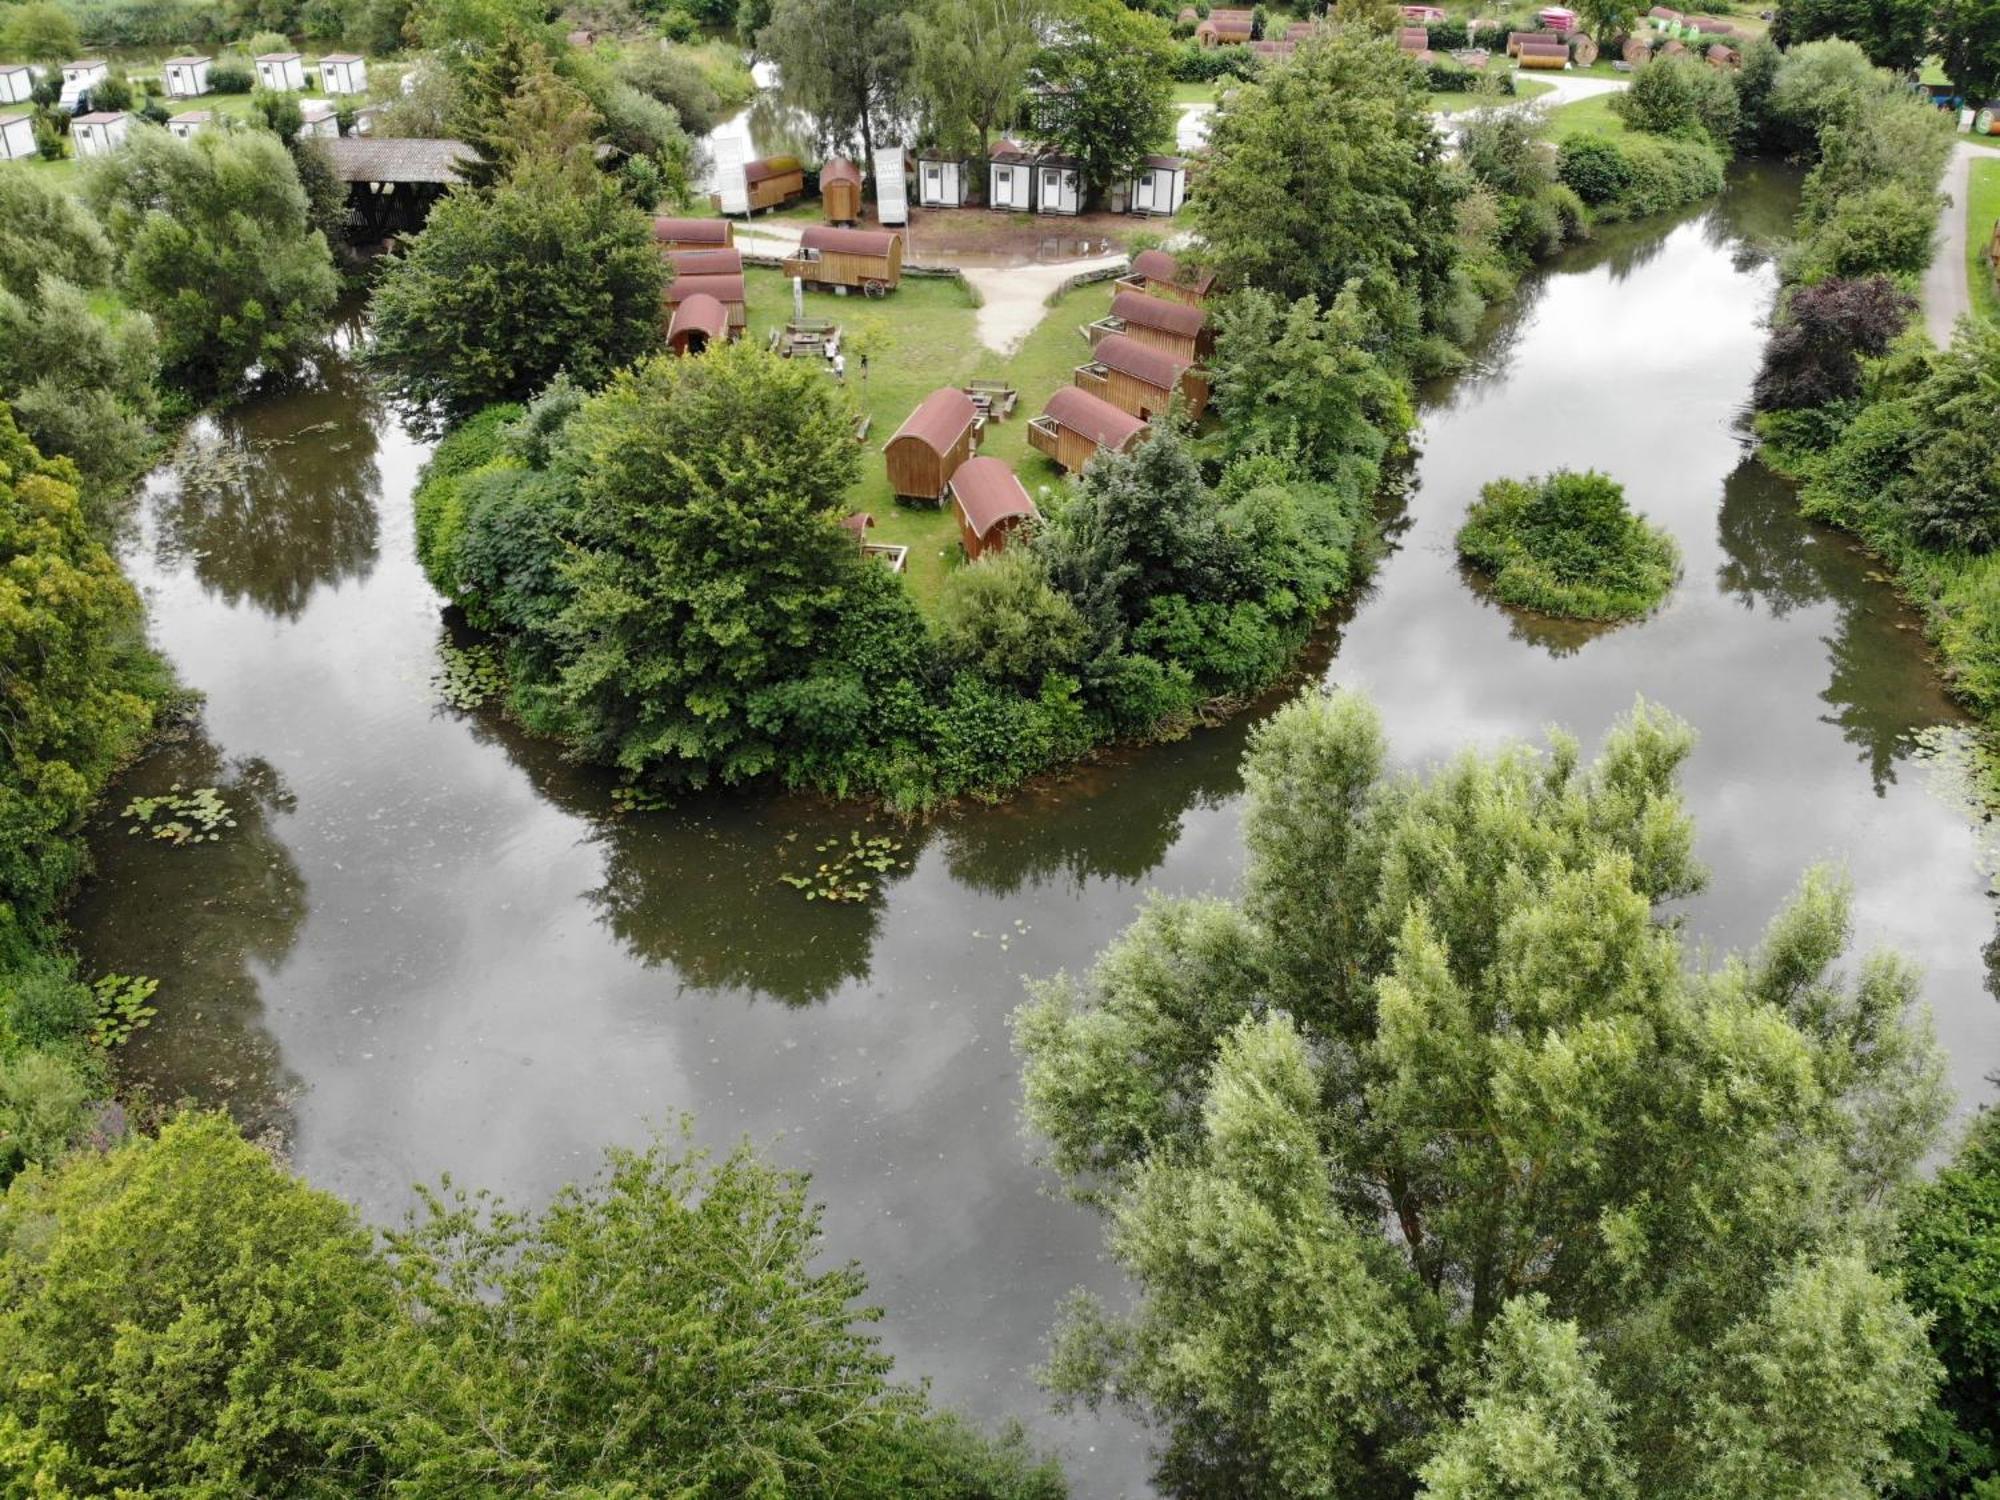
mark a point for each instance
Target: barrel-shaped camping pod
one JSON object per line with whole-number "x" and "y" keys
{"x": 933, "y": 441}
{"x": 727, "y": 290}
{"x": 1076, "y": 426}
{"x": 773, "y": 181}
{"x": 840, "y": 191}
{"x": 725, "y": 261}
{"x": 871, "y": 259}
{"x": 1158, "y": 274}
{"x": 1176, "y": 328}
{"x": 1550, "y": 55}
{"x": 1142, "y": 381}
{"x": 992, "y": 505}
{"x": 698, "y": 322}
{"x": 692, "y": 234}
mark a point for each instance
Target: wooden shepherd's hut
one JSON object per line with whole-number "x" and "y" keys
{"x": 871, "y": 259}
{"x": 692, "y": 234}
{"x": 726, "y": 261}
{"x": 698, "y": 322}
{"x": 1158, "y": 274}
{"x": 1175, "y": 328}
{"x": 992, "y": 505}
{"x": 1142, "y": 381}
{"x": 727, "y": 290}
{"x": 840, "y": 191}
{"x": 1075, "y": 425}
{"x": 1225, "y": 28}
{"x": 773, "y": 181}
{"x": 933, "y": 441}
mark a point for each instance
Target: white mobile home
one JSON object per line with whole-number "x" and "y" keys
{"x": 17, "y": 137}
{"x": 942, "y": 180}
{"x": 100, "y": 133}
{"x": 1010, "y": 177}
{"x": 343, "y": 73}
{"x": 1159, "y": 186}
{"x": 187, "y": 77}
{"x": 284, "y": 72}
{"x": 17, "y": 82}
{"x": 78, "y": 78}
{"x": 1058, "y": 186}
{"x": 183, "y": 126}
{"x": 318, "y": 117}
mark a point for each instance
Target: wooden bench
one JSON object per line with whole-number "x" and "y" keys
{"x": 994, "y": 398}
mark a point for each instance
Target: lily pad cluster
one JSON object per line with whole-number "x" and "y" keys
{"x": 180, "y": 815}
{"x": 119, "y": 1007}
{"x": 845, "y": 867}
{"x": 468, "y": 677}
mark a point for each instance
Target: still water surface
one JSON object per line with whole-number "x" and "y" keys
{"x": 432, "y": 946}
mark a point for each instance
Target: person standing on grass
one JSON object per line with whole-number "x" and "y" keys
{"x": 840, "y": 367}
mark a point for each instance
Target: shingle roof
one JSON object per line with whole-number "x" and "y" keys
{"x": 375, "y": 158}
{"x": 100, "y": 117}
{"x": 723, "y": 260}
{"x": 1093, "y": 417}
{"x": 989, "y": 492}
{"x": 276, "y": 56}
{"x": 939, "y": 420}
{"x": 1143, "y": 311}
{"x": 824, "y": 237}
{"x": 1130, "y": 357}
{"x": 700, "y": 313}
{"x": 723, "y": 289}
{"x": 342, "y": 57}
{"x": 182, "y": 62}
{"x": 692, "y": 231}
{"x": 839, "y": 169}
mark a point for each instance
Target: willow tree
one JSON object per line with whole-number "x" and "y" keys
{"x": 1437, "y": 1167}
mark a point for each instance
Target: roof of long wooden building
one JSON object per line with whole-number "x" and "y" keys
{"x": 1158, "y": 265}
{"x": 723, "y": 260}
{"x": 939, "y": 420}
{"x": 826, "y": 237}
{"x": 371, "y": 158}
{"x": 1142, "y": 311}
{"x": 1130, "y": 357}
{"x": 989, "y": 492}
{"x": 1093, "y": 417}
{"x": 722, "y": 288}
{"x": 692, "y": 231}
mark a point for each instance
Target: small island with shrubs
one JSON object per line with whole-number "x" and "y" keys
{"x": 1568, "y": 545}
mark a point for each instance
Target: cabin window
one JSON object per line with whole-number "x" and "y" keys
{"x": 1146, "y": 181}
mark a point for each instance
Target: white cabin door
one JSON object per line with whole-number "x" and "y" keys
{"x": 1144, "y": 196}
{"x": 933, "y": 182}
{"x": 1052, "y": 193}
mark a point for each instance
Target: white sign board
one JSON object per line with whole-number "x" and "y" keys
{"x": 892, "y": 187}
{"x": 732, "y": 189}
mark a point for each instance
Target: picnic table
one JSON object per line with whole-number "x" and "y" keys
{"x": 993, "y": 398}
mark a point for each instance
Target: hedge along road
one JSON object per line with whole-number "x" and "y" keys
{"x": 430, "y": 944}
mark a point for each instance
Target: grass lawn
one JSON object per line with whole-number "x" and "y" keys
{"x": 1585, "y": 117}
{"x": 1981, "y": 209}
{"x": 920, "y": 337}
{"x": 1197, "y": 93}
{"x": 1458, "y": 103}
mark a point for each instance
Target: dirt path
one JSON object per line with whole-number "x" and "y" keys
{"x": 1947, "y": 293}
{"x": 1015, "y": 298}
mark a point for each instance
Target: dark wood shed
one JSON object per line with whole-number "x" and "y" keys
{"x": 692, "y": 234}
{"x": 1142, "y": 381}
{"x": 1158, "y": 274}
{"x": 727, "y": 290}
{"x": 992, "y": 505}
{"x": 1076, "y": 425}
{"x": 871, "y": 259}
{"x": 698, "y": 322}
{"x": 840, "y": 191}
{"x": 1176, "y": 328}
{"x": 941, "y": 434}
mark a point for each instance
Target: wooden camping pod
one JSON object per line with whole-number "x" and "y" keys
{"x": 1076, "y": 426}
{"x": 1176, "y": 328}
{"x": 698, "y": 322}
{"x": 840, "y": 191}
{"x": 1158, "y": 274}
{"x": 992, "y": 505}
{"x": 941, "y": 434}
{"x": 727, "y": 290}
{"x": 692, "y": 234}
{"x": 773, "y": 181}
{"x": 1142, "y": 381}
{"x": 871, "y": 259}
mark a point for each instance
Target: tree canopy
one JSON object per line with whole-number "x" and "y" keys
{"x": 1894, "y": 33}
{"x": 1102, "y": 89}
{"x": 845, "y": 63}
{"x": 969, "y": 61}
{"x": 1433, "y": 1147}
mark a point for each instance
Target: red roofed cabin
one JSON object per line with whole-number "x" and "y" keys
{"x": 692, "y": 234}
{"x": 773, "y": 181}
{"x": 727, "y": 261}
{"x": 1075, "y": 426}
{"x": 840, "y": 191}
{"x": 1225, "y": 28}
{"x": 992, "y": 505}
{"x": 871, "y": 259}
{"x": 1174, "y": 328}
{"x": 1158, "y": 274}
{"x": 727, "y": 290}
{"x": 1140, "y": 380}
{"x": 698, "y": 322}
{"x": 933, "y": 441}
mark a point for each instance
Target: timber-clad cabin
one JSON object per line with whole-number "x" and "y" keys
{"x": 773, "y": 181}
{"x": 1175, "y": 328}
{"x": 728, "y": 290}
{"x": 1142, "y": 381}
{"x": 871, "y": 259}
{"x": 698, "y": 322}
{"x": 692, "y": 234}
{"x": 992, "y": 505}
{"x": 1075, "y": 426}
{"x": 1225, "y": 28}
{"x": 840, "y": 191}
{"x": 724, "y": 261}
{"x": 942, "y": 433}
{"x": 1158, "y": 274}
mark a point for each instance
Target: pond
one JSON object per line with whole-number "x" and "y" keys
{"x": 430, "y": 945}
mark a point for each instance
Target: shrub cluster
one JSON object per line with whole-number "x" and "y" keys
{"x": 1568, "y": 545}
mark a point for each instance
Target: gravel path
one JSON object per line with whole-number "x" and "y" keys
{"x": 1947, "y": 293}
{"x": 1014, "y": 299}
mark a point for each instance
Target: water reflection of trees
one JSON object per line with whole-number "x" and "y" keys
{"x": 273, "y": 499}
{"x": 209, "y": 1043}
{"x": 1877, "y": 695}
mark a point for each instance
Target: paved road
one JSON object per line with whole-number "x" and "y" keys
{"x": 1947, "y": 293}
{"x": 1192, "y": 128}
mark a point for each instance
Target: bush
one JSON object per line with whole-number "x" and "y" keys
{"x": 1594, "y": 168}
{"x": 1568, "y": 546}
{"x": 1000, "y": 618}
{"x": 1683, "y": 98}
{"x": 1663, "y": 173}
{"x": 1193, "y": 63}
{"x": 227, "y": 77}
{"x": 440, "y": 513}
{"x": 1822, "y": 334}
{"x": 1879, "y": 231}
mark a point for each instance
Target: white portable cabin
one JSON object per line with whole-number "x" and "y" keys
{"x": 892, "y": 186}
{"x": 1010, "y": 177}
{"x": 1058, "y": 186}
{"x": 1159, "y": 186}
{"x": 17, "y": 137}
{"x": 284, "y": 72}
{"x": 318, "y": 117}
{"x": 100, "y": 133}
{"x": 17, "y": 83}
{"x": 343, "y": 73}
{"x": 183, "y": 126}
{"x": 941, "y": 181}
{"x": 187, "y": 77}
{"x": 79, "y": 78}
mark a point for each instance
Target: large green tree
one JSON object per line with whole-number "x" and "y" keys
{"x": 1894, "y": 33}
{"x": 1434, "y": 1145}
{"x": 214, "y": 240}
{"x": 971, "y": 58}
{"x": 1103, "y": 88}
{"x": 1330, "y": 171}
{"x": 1968, "y": 40}
{"x": 41, "y": 32}
{"x": 845, "y": 63}
{"x": 549, "y": 271}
